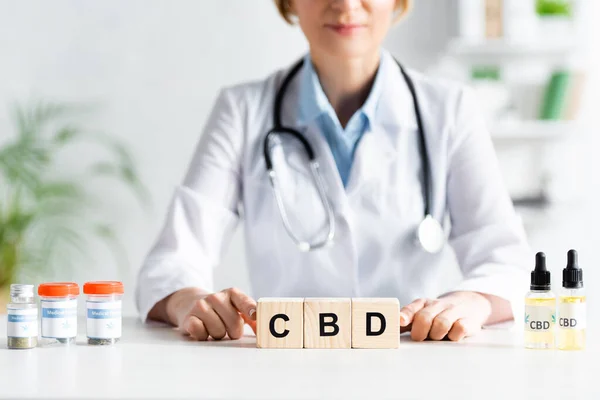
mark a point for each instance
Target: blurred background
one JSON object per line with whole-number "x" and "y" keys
{"x": 103, "y": 102}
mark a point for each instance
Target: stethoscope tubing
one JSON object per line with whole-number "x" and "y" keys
{"x": 279, "y": 128}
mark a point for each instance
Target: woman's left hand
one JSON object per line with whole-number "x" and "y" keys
{"x": 455, "y": 315}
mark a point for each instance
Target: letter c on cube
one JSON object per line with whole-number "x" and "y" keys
{"x": 279, "y": 323}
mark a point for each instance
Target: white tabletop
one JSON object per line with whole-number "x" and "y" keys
{"x": 155, "y": 361}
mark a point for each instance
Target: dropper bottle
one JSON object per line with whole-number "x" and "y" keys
{"x": 540, "y": 307}
{"x": 571, "y": 307}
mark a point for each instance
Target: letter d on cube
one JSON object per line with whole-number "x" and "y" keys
{"x": 375, "y": 323}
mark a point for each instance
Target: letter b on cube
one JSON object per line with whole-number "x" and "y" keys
{"x": 280, "y": 323}
{"x": 327, "y": 323}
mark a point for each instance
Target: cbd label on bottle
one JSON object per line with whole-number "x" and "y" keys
{"x": 539, "y": 318}
{"x": 571, "y": 315}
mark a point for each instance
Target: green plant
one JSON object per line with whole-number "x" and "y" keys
{"x": 554, "y": 8}
{"x": 481, "y": 72}
{"x": 47, "y": 215}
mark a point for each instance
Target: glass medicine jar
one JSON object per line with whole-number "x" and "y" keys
{"x": 103, "y": 311}
{"x": 58, "y": 301}
{"x": 22, "y": 325}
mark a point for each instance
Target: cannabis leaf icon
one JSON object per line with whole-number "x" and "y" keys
{"x": 110, "y": 325}
{"x": 553, "y": 318}
{"x": 526, "y": 318}
{"x": 25, "y": 328}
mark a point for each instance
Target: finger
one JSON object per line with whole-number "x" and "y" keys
{"x": 423, "y": 319}
{"x": 408, "y": 312}
{"x": 406, "y": 328}
{"x": 212, "y": 322}
{"x": 195, "y": 328}
{"x": 462, "y": 328}
{"x": 234, "y": 324}
{"x": 249, "y": 322}
{"x": 444, "y": 321}
{"x": 243, "y": 303}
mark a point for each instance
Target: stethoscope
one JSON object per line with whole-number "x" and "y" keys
{"x": 429, "y": 234}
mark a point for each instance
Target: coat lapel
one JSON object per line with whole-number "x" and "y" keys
{"x": 373, "y": 155}
{"x": 378, "y": 147}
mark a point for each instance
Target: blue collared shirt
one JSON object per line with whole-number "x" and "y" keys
{"x": 314, "y": 106}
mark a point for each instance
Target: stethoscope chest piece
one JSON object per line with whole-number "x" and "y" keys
{"x": 431, "y": 235}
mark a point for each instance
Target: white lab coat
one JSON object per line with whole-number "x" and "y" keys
{"x": 375, "y": 253}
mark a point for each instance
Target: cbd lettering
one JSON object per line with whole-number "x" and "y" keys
{"x": 539, "y": 325}
{"x": 328, "y": 323}
{"x": 567, "y": 322}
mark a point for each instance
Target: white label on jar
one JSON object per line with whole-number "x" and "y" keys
{"x": 104, "y": 319}
{"x": 59, "y": 319}
{"x": 22, "y": 322}
{"x": 539, "y": 318}
{"x": 571, "y": 315}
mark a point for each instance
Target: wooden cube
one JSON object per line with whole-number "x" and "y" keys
{"x": 327, "y": 323}
{"x": 375, "y": 323}
{"x": 279, "y": 323}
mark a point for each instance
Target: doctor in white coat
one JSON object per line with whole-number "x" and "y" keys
{"x": 383, "y": 161}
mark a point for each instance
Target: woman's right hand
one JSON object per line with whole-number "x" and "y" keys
{"x": 203, "y": 315}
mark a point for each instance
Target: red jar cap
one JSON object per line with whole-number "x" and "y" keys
{"x": 58, "y": 289}
{"x": 103, "y": 287}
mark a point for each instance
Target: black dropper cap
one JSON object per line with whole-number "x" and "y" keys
{"x": 572, "y": 274}
{"x": 540, "y": 276}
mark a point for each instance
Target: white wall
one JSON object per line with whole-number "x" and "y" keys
{"x": 156, "y": 66}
